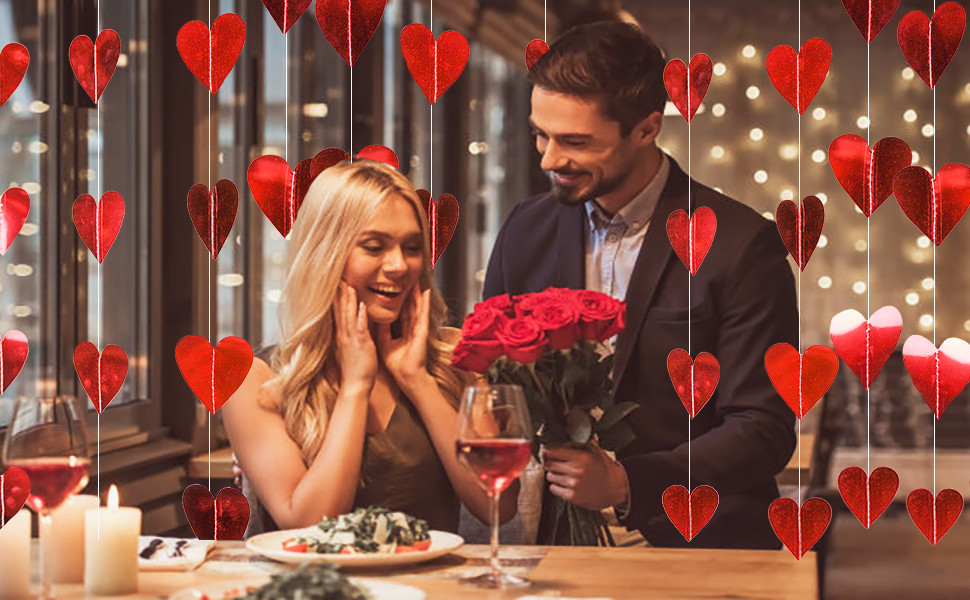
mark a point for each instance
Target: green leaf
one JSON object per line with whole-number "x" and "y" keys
{"x": 579, "y": 426}
{"x": 616, "y": 437}
{"x": 614, "y": 414}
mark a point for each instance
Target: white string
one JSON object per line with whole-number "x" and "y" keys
{"x": 799, "y": 253}
{"x": 545, "y": 19}
{"x": 868, "y": 272}
{"x": 208, "y": 286}
{"x": 97, "y": 213}
{"x": 690, "y": 276}
{"x": 935, "y": 219}
{"x": 434, "y": 93}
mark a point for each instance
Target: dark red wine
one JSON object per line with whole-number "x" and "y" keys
{"x": 496, "y": 462}
{"x": 52, "y": 480}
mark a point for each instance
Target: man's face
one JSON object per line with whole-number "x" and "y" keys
{"x": 582, "y": 150}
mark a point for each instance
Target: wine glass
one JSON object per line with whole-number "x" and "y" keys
{"x": 494, "y": 436}
{"x": 46, "y": 439}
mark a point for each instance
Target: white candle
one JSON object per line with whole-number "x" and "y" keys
{"x": 111, "y": 562}
{"x": 15, "y": 556}
{"x": 64, "y": 539}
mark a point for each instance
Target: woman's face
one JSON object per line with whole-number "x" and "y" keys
{"x": 387, "y": 260}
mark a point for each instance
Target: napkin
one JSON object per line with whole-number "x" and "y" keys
{"x": 171, "y": 554}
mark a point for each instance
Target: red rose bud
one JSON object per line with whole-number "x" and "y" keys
{"x": 601, "y": 315}
{"x": 483, "y": 324}
{"x": 523, "y": 339}
{"x": 502, "y": 302}
{"x": 476, "y": 357}
{"x": 559, "y": 317}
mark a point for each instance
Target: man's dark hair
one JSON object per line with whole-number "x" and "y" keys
{"x": 612, "y": 62}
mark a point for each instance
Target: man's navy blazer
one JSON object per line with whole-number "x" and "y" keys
{"x": 742, "y": 301}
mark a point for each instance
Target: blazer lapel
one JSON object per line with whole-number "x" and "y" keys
{"x": 570, "y": 245}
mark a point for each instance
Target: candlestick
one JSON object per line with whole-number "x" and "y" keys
{"x": 64, "y": 539}
{"x": 15, "y": 556}
{"x": 111, "y": 562}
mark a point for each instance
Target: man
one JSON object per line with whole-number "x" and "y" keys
{"x": 597, "y": 108}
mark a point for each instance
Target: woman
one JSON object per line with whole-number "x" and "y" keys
{"x": 358, "y": 407}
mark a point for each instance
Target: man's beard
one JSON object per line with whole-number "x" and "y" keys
{"x": 566, "y": 196}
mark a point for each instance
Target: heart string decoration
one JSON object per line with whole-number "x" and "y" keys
{"x": 95, "y": 62}
{"x": 798, "y": 76}
{"x": 213, "y": 374}
{"x": 14, "y": 206}
{"x": 687, "y": 84}
{"x": 442, "y": 219}
{"x": 870, "y": 16}
{"x": 14, "y": 489}
{"x": 939, "y": 375}
{"x": 286, "y": 12}
{"x": 800, "y": 227}
{"x": 279, "y": 191}
{"x": 14, "y": 60}
{"x": 866, "y": 174}
{"x": 381, "y": 154}
{"x": 801, "y": 379}
{"x": 934, "y": 516}
{"x": 694, "y": 380}
{"x": 434, "y": 65}
{"x": 868, "y": 496}
{"x": 934, "y": 204}
{"x": 689, "y": 512}
{"x": 929, "y": 44}
{"x": 101, "y": 373}
{"x": 799, "y": 527}
{"x": 691, "y": 237}
{"x": 98, "y": 223}
{"x": 534, "y": 51}
{"x": 213, "y": 212}
{"x": 349, "y": 24}
{"x": 13, "y": 356}
{"x": 211, "y": 55}
{"x": 224, "y": 517}
{"x": 865, "y": 346}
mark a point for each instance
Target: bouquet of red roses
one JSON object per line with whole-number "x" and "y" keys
{"x": 551, "y": 344}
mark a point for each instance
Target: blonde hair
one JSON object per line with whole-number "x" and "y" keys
{"x": 339, "y": 205}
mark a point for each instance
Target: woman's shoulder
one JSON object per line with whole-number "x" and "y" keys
{"x": 257, "y": 391}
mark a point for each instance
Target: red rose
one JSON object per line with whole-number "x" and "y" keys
{"x": 527, "y": 303}
{"x": 602, "y": 316}
{"x": 483, "y": 323}
{"x": 475, "y": 356}
{"x": 559, "y": 317}
{"x": 502, "y": 302}
{"x": 523, "y": 339}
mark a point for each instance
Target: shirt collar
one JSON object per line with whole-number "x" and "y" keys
{"x": 638, "y": 211}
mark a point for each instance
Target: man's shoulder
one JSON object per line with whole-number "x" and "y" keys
{"x": 535, "y": 208}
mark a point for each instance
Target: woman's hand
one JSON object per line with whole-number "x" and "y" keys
{"x": 356, "y": 352}
{"x": 405, "y": 356}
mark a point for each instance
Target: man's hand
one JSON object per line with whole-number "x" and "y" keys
{"x": 587, "y": 478}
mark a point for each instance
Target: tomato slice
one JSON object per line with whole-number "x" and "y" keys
{"x": 290, "y": 545}
{"x": 415, "y": 547}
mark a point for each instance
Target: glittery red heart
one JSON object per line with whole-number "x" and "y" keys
{"x": 98, "y": 223}
{"x": 213, "y": 374}
{"x": 435, "y": 66}
{"x": 279, "y": 191}
{"x": 286, "y": 12}
{"x": 379, "y": 153}
{"x": 929, "y": 44}
{"x": 14, "y": 489}
{"x": 327, "y": 158}
{"x": 801, "y": 379}
{"x": 934, "y": 517}
{"x": 867, "y": 174}
{"x": 349, "y": 24}
{"x": 14, "y": 60}
{"x": 534, "y": 52}
{"x": 934, "y": 205}
{"x": 860, "y": 342}
{"x": 691, "y": 237}
{"x": 95, "y": 62}
{"x": 870, "y": 16}
{"x": 800, "y": 227}
{"x": 694, "y": 380}
{"x": 939, "y": 375}
{"x": 224, "y": 518}
{"x": 799, "y": 527}
{"x": 689, "y": 512}
{"x": 213, "y": 213}
{"x": 13, "y": 356}
{"x": 798, "y": 76}
{"x": 14, "y": 206}
{"x": 443, "y": 218}
{"x": 211, "y": 55}
{"x": 687, "y": 85}
{"x": 867, "y": 496}
{"x": 101, "y": 374}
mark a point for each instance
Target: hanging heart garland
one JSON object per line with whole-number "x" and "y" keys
{"x": 867, "y": 174}
{"x": 14, "y": 206}
{"x": 534, "y": 52}
{"x": 868, "y": 496}
{"x": 213, "y": 213}
{"x": 224, "y": 517}
{"x": 865, "y": 346}
{"x": 934, "y": 516}
{"x": 799, "y": 527}
{"x": 934, "y": 205}
{"x": 689, "y": 512}
{"x": 687, "y": 85}
{"x": 101, "y": 374}
{"x": 95, "y": 62}
{"x": 434, "y": 65}
{"x": 14, "y": 489}
{"x": 443, "y": 220}
{"x": 349, "y": 24}
{"x": 691, "y": 237}
{"x": 929, "y": 44}
{"x": 13, "y": 356}
{"x": 14, "y": 60}
{"x": 939, "y": 375}
{"x": 799, "y": 76}
{"x": 801, "y": 379}
{"x": 213, "y": 374}
{"x": 379, "y": 153}
{"x": 286, "y": 12}
{"x": 694, "y": 380}
{"x": 870, "y": 16}
{"x": 98, "y": 223}
{"x": 800, "y": 227}
{"x": 211, "y": 55}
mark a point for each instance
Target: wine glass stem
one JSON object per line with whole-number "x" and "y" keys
{"x": 43, "y": 530}
{"x": 493, "y": 558}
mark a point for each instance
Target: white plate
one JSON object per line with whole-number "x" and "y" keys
{"x": 270, "y": 545}
{"x": 374, "y": 588}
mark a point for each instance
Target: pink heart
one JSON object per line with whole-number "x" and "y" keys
{"x": 939, "y": 375}
{"x": 860, "y": 343}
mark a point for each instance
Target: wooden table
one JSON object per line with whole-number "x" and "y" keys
{"x": 557, "y": 571}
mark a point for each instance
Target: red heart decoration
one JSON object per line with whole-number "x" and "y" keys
{"x": 279, "y": 191}
{"x": 870, "y": 16}
{"x": 14, "y": 60}
{"x": 213, "y": 213}
{"x": 349, "y": 24}
{"x": 691, "y": 237}
{"x": 860, "y": 343}
{"x": 935, "y": 205}
{"x": 534, "y": 52}
{"x": 867, "y": 496}
{"x": 327, "y": 158}
{"x": 98, "y": 223}
{"x": 929, "y": 44}
{"x": 800, "y": 227}
{"x": 867, "y": 174}
{"x": 286, "y": 12}
{"x": 14, "y": 489}
{"x": 799, "y": 527}
{"x": 687, "y": 85}
{"x": 211, "y": 55}
{"x": 213, "y": 374}
{"x": 801, "y": 379}
{"x": 934, "y": 517}
{"x": 14, "y": 206}
{"x": 694, "y": 380}
{"x": 101, "y": 374}
{"x": 690, "y": 512}
{"x": 13, "y": 356}
{"x": 435, "y": 66}
{"x": 379, "y": 153}
{"x": 798, "y": 76}
{"x": 443, "y": 218}
{"x": 224, "y": 518}
{"x": 939, "y": 375}
{"x": 95, "y": 62}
